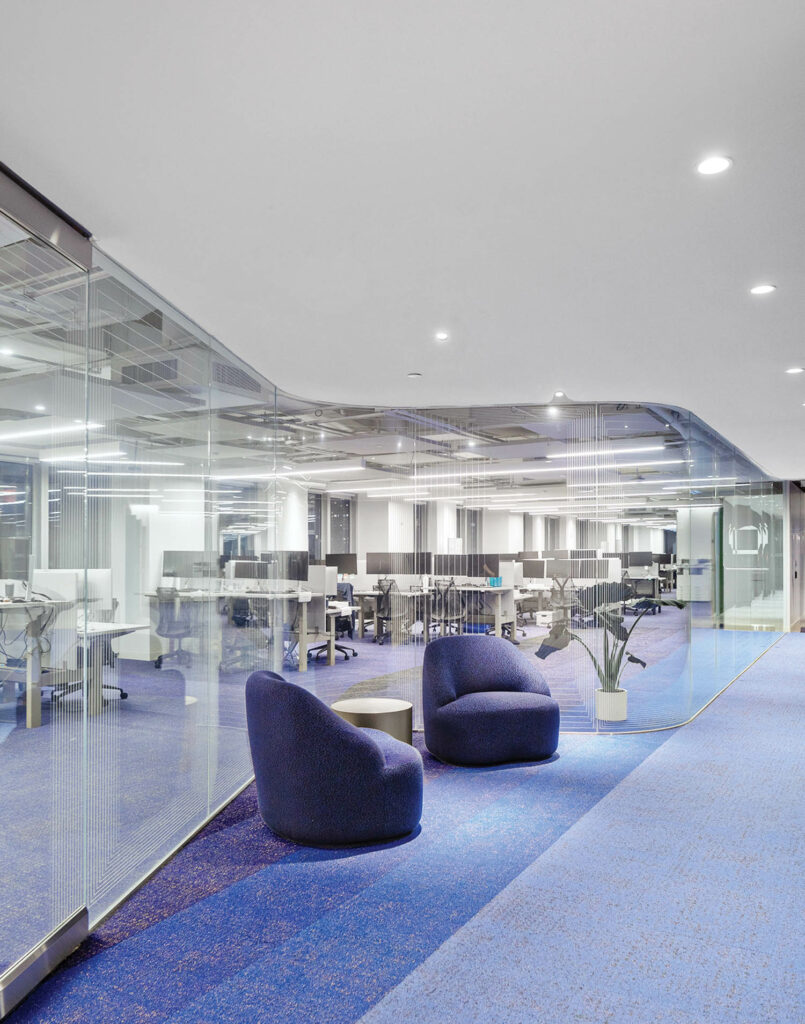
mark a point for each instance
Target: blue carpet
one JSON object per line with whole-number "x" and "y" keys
{"x": 633, "y": 878}
{"x": 265, "y": 930}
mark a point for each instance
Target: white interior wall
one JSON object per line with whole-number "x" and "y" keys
{"x": 567, "y": 532}
{"x": 536, "y": 542}
{"x": 371, "y": 526}
{"x": 516, "y": 540}
{"x": 495, "y": 535}
{"x": 441, "y": 526}
{"x": 400, "y": 526}
{"x": 292, "y": 524}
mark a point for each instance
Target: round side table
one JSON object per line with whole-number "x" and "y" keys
{"x": 389, "y": 714}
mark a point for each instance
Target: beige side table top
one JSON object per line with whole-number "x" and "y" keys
{"x": 389, "y": 714}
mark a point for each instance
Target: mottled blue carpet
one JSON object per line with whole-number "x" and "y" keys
{"x": 633, "y": 878}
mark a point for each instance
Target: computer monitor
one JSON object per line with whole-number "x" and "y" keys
{"x": 662, "y": 559}
{"x": 534, "y": 568}
{"x": 420, "y": 563}
{"x": 188, "y": 564}
{"x": 344, "y": 563}
{"x": 378, "y": 563}
{"x": 399, "y": 563}
{"x": 448, "y": 565}
{"x": 640, "y": 558}
{"x": 292, "y": 565}
{"x": 248, "y": 570}
{"x": 288, "y": 565}
{"x": 579, "y": 568}
{"x": 483, "y": 565}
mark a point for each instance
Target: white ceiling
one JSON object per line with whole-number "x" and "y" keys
{"x": 323, "y": 186}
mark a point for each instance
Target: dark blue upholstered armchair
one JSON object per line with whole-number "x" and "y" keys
{"x": 485, "y": 703}
{"x": 322, "y": 781}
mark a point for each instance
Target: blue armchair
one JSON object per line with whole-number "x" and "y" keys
{"x": 485, "y": 703}
{"x": 322, "y": 781}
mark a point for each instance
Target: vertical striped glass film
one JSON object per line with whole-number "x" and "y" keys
{"x": 171, "y": 522}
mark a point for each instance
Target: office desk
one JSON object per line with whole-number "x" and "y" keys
{"x": 91, "y": 636}
{"x": 88, "y": 637}
{"x": 501, "y": 614}
{"x": 32, "y": 612}
{"x": 367, "y": 602}
{"x": 302, "y": 597}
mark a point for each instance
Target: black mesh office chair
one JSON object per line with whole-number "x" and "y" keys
{"x": 344, "y": 626}
{"x": 390, "y": 610}
{"x": 449, "y": 608}
{"x": 175, "y": 624}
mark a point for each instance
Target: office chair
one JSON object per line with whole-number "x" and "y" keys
{"x": 449, "y": 607}
{"x": 389, "y": 610}
{"x": 175, "y": 624}
{"x": 344, "y": 626}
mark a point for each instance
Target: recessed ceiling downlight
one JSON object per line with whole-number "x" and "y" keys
{"x": 714, "y": 165}
{"x": 441, "y": 336}
{"x": 763, "y": 289}
{"x": 796, "y": 369}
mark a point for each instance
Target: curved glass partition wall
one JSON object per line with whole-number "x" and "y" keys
{"x": 166, "y": 516}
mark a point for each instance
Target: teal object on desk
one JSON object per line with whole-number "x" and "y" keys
{"x": 495, "y": 581}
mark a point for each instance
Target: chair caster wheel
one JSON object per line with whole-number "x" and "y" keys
{"x": 123, "y": 695}
{"x": 355, "y": 654}
{"x": 158, "y": 662}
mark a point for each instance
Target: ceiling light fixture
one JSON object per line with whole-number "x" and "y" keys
{"x": 45, "y": 431}
{"x": 714, "y": 165}
{"x": 442, "y": 336}
{"x": 763, "y": 289}
{"x": 414, "y": 374}
{"x": 558, "y": 394}
{"x": 796, "y": 369}
{"x": 39, "y": 408}
{"x": 7, "y": 351}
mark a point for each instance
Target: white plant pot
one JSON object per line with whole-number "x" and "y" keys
{"x": 610, "y": 706}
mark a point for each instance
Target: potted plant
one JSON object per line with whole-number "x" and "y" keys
{"x": 610, "y": 697}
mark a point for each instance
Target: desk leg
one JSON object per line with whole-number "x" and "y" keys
{"x": 303, "y": 637}
{"x": 498, "y": 615}
{"x": 94, "y": 663}
{"x": 377, "y": 626}
{"x": 361, "y": 619}
{"x": 331, "y": 642}
{"x": 426, "y": 617}
{"x": 33, "y": 677}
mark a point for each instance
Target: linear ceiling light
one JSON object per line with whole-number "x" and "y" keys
{"x": 48, "y": 431}
{"x": 544, "y": 469}
{"x": 609, "y": 451}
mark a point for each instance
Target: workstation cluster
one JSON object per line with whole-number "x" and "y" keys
{"x": 413, "y": 596}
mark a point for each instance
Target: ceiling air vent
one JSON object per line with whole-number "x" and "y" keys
{"x": 233, "y": 377}
{"x": 150, "y": 373}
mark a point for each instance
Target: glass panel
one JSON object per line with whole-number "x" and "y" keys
{"x": 43, "y": 301}
{"x": 161, "y": 508}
